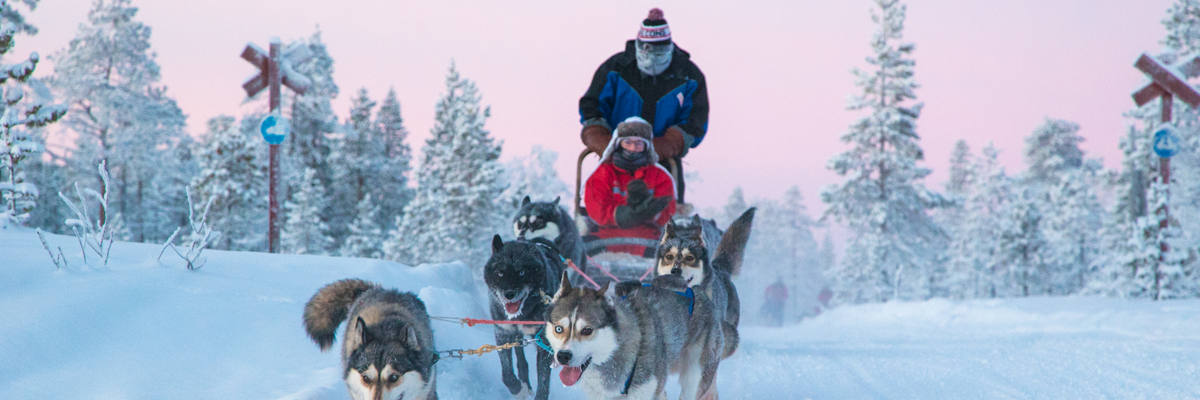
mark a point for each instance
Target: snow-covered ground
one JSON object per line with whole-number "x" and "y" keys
{"x": 142, "y": 329}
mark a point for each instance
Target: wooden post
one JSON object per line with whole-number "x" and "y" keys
{"x": 273, "y": 76}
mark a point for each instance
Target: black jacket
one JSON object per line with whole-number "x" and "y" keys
{"x": 676, "y": 97}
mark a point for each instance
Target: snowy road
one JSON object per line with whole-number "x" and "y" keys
{"x": 144, "y": 329}
{"x": 1056, "y": 348}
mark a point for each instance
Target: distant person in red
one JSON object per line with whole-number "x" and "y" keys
{"x": 630, "y": 195}
{"x": 776, "y": 295}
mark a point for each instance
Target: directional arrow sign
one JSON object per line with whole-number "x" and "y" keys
{"x": 1166, "y": 143}
{"x": 274, "y": 128}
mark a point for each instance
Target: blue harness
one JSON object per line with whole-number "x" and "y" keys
{"x": 686, "y": 293}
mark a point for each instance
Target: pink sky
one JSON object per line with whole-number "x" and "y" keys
{"x": 778, "y": 71}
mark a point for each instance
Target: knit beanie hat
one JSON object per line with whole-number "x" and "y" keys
{"x": 654, "y": 28}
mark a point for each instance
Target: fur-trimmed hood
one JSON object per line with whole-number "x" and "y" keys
{"x": 635, "y": 127}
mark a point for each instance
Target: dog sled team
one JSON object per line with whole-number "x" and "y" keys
{"x": 616, "y": 332}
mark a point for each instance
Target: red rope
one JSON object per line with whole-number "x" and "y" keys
{"x": 602, "y": 269}
{"x": 585, "y": 276}
{"x": 473, "y": 322}
{"x": 647, "y": 273}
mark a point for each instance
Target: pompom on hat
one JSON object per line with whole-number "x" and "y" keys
{"x": 654, "y": 28}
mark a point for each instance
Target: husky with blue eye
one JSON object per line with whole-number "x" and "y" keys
{"x": 387, "y": 347}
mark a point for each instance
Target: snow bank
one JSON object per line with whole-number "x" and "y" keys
{"x": 143, "y": 329}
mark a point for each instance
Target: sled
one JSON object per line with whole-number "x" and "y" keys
{"x": 607, "y": 266}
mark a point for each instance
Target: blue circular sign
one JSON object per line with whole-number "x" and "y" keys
{"x": 274, "y": 128}
{"x": 1166, "y": 143}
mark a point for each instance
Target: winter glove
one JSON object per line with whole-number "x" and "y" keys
{"x": 638, "y": 193}
{"x": 646, "y": 212}
{"x": 671, "y": 144}
{"x": 624, "y": 217}
{"x": 629, "y": 216}
{"x": 596, "y": 138}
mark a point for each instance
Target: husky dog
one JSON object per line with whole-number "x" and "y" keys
{"x": 387, "y": 347}
{"x": 687, "y": 256}
{"x": 518, "y": 275}
{"x": 550, "y": 221}
{"x": 621, "y": 347}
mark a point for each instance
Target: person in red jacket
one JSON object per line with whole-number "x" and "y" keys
{"x": 630, "y": 195}
{"x": 775, "y": 295}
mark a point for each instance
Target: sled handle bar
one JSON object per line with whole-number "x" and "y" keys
{"x": 600, "y": 244}
{"x": 672, "y": 163}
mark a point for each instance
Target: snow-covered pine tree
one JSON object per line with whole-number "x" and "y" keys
{"x": 355, "y": 156}
{"x": 1022, "y": 247}
{"x": 366, "y": 237}
{"x": 1060, "y": 182}
{"x": 455, "y": 209}
{"x": 782, "y": 246}
{"x": 229, "y": 169}
{"x": 20, "y": 116}
{"x": 534, "y": 176}
{"x": 894, "y": 241}
{"x": 734, "y": 207}
{"x": 305, "y": 232}
{"x": 975, "y": 267}
{"x": 122, "y": 116}
{"x": 312, "y": 122}
{"x": 960, "y": 169}
{"x": 1132, "y": 234}
{"x": 391, "y": 188}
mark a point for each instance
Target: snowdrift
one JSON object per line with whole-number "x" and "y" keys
{"x": 144, "y": 329}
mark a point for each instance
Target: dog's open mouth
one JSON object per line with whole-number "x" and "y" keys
{"x": 512, "y": 307}
{"x": 570, "y": 375}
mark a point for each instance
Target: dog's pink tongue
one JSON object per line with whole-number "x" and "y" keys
{"x": 570, "y": 375}
{"x": 512, "y": 307}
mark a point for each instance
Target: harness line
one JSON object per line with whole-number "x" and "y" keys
{"x": 472, "y": 321}
{"x": 580, "y": 271}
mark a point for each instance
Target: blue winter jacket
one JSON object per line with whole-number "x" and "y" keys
{"x": 675, "y": 97}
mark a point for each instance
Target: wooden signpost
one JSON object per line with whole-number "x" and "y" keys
{"x": 275, "y": 68}
{"x": 1168, "y": 82}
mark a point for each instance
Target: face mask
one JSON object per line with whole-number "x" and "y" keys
{"x": 629, "y": 161}
{"x": 653, "y": 59}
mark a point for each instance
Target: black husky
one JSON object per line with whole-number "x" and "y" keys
{"x": 518, "y": 275}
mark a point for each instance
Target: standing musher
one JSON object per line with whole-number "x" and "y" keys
{"x": 652, "y": 79}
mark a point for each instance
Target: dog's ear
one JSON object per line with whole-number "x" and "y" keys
{"x": 360, "y": 332}
{"x": 497, "y": 243}
{"x": 525, "y": 202}
{"x": 603, "y": 290}
{"x": 410, "y": 337}
{"x": 668, "y": 231}
{"x": 563, "y": 288}
{"x": 556, "y": 199}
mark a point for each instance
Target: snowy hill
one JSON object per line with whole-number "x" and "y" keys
{"x": 142, "y": 329}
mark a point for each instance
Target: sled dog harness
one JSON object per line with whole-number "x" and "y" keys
{"x": 687, "y": 293}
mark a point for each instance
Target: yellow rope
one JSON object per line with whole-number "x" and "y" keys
{"x": 488, "y": 348}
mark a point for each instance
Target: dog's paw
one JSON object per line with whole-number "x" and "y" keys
{"x": 523, "y": 394}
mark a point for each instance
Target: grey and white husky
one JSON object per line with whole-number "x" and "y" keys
{"x": 623, "y": 346}
{"x": 518, "y": 274}
{"x": 546, "y": 219}
{"x": 685, "y": 254}
{"x": 387, "y": 347}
